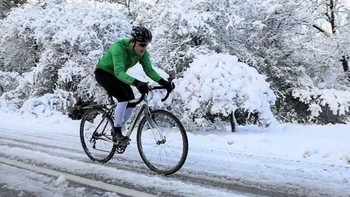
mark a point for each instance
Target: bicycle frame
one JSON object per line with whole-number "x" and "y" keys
{"x": 144, "y": 109}
{"x": 147, "y": 113}
{"x": 138, "y": 116}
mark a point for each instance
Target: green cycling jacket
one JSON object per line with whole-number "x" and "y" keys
{"x": 120, "y": 57}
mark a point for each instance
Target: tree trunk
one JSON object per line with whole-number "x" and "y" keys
{"x": 345, "y": 63}
{"x": 332, "y": 15}
{"x": 331, "y": 18}
{"x": 233, "y": 122}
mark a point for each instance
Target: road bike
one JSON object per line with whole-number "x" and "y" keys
{"x": 161, "y": 138}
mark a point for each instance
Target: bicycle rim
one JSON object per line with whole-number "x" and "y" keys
{"x": 95, "y": 135}
{"x": 163, "y": 148}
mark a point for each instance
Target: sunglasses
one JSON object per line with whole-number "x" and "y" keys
{"x": 143, "y": 44}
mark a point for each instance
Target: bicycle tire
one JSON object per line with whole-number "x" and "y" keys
{"x": 149, "y": 147}
{"x": 101, "y": 148}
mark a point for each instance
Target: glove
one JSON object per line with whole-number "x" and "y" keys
{"x": 168, "y": 85}
{"x": 142, "y": 87}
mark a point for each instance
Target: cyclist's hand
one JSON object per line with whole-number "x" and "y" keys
{"x": 142, "y": 87}
{"x": 168, "y": 85}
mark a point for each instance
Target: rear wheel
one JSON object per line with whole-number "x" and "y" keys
{"x": 95, "y": 135}
{"x": 162, "y": 147}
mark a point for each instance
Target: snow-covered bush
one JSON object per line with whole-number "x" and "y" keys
{"x": 7, "y": 5}
{"x": 325, "y": 105}
{"x": 220, "y": 84}
{"x": 48, "y": 104}
{"x": 16, "y": 90}
{"x": 65, "y": 42}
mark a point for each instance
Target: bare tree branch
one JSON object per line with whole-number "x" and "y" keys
{"x": 320, "y": 29}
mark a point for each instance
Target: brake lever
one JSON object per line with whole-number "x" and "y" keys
{"x": 166, "y": 96}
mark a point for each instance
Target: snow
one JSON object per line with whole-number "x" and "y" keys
{"x": 312, "y": 160}
{"x": 337, "y": 100}
{"x": 223, "y": 84}
{"x": 312, "y": 156}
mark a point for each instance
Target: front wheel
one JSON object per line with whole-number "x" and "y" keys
{"x": 163, "y": 146}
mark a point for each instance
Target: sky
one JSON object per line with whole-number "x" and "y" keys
{"x": 314, "y": 159}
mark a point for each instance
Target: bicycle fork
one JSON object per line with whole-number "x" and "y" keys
{"x": 156, "y": 131}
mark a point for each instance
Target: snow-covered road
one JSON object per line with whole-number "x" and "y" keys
{"x": 43, "y": 157}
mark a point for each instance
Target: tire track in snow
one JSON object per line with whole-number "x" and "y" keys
{"x": 274, "y": 167}
{"x": 74, "y": 178}
{"x": 206, "y": 180}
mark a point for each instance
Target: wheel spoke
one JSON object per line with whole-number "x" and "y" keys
{"x": 163, "y": 149}
{"x": 95, "y": 135}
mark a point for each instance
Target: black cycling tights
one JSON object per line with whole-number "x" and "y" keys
{"x": 114, "y": 86}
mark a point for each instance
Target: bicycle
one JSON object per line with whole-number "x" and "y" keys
{"x": 159, "y": 134}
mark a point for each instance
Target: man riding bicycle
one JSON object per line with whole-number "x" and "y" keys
{"x": 111, "y": 74}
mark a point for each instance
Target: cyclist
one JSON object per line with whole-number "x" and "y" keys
{"x": 111, "y": 74}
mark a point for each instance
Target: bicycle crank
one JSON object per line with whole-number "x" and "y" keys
{"x": 121, "y": 146}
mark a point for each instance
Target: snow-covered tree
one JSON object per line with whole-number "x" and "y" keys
{"x": 181, "y": 32}
{"x": 65, "y": 43}
{"x": 277, "y": 37}
{"x": 6, "y": 5}
{"x": 324, "y": 56}
{"x": 50, "y": 51}
{"x": 219, "y": 85}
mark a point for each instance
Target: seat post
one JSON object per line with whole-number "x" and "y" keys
{"x": 110, "y": 99}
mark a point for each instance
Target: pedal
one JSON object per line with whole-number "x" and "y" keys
{"x": 123, "y": 143}
{"x": 120, "y": 150}
{"x": 121, "y": 146}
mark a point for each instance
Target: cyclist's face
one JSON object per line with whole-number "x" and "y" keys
{"x": 140, "y": 48}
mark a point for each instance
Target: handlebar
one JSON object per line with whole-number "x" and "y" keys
{"x": 139, "y": 100}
